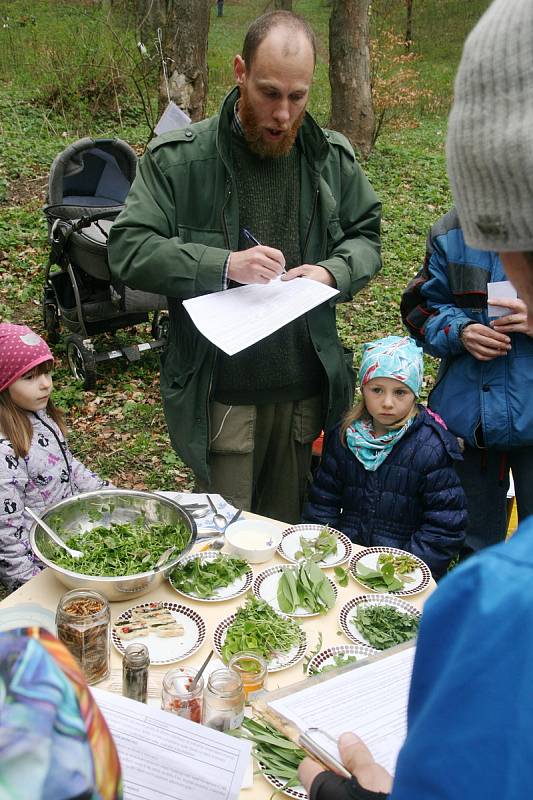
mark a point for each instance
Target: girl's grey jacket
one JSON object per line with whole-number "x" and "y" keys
{"x": 48, "y": 474}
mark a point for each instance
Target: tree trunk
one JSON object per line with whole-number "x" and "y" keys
{"x": 284, "y": 5}
{"x": 184, "y": 26}
{"x": 408, "y": 24}
{"x": 349, "y": 72}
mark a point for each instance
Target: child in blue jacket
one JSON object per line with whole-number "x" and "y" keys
{"x": 387, "y": 473}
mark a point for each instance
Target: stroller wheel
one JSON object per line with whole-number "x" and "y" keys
{"x": 51, "y": 321}
{"x": 81, "y": 361}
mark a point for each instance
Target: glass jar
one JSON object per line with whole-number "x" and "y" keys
{"x": 224, "y": 700}
{"x": 135, "y": 664}
{"x": 252, "y": 668}
{"x": 177, "y": 695}
{"x": 83, "y": 625}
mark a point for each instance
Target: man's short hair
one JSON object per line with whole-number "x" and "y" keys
{"x": 261, "y": 27}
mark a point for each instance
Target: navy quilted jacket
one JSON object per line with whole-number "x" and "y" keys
{"x": 413, "y": 501}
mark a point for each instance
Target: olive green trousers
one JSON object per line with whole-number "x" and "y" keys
{"x": 260, "y": 456}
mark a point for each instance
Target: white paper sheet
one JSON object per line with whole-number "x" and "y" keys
{"x": 500, "y": 290}
{"x": 237, "y": 318}
{"x": 165, "y": 757}
{"x": 370, "y": 700}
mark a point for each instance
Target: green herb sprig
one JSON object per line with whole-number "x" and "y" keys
{"x": 384, "y": 626}
{"x": 339, "y": 660}
{"x": 202, "y": 578}
{"x": 258, "y": 627}
{"x": 279, "y": 756}
{"x": 305, "y": 586}
{"x": 125, "y": 548}
{"x": 318, "y": 549}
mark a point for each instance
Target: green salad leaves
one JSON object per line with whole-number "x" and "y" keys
{"x": 258, "y": 627}
{"x": 202, "y": 577}
{"x": 390, "y": 574}
{"x": 122, "y": 548}
{"x": 279, "y": 756}
{"x": 305, "y": 586}
{"x": 384, "y": 626}
{"x": 317, "y": 549}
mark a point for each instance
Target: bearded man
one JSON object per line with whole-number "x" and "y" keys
{"x": 245, "y": 424}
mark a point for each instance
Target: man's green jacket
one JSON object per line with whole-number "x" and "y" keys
{"x": 181, "y": 221}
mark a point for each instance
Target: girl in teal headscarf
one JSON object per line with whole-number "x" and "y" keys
{"x": 387, "y": 476}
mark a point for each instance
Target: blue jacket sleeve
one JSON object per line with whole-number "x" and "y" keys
{"x": 442, "y": 532}
{"x": 442, "y": 330}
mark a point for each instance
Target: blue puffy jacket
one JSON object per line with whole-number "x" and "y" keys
{"x": 487, "y": 403}
{"x": 413, "y": 501}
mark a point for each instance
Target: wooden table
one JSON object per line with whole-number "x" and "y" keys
{"x": 46, "y": 590}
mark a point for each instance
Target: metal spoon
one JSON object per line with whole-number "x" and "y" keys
{"x": 53, "y": 535}
{"x": 164, "y": 557}
{"x": 219, "y": 520}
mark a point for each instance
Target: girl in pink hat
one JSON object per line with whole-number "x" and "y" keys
{"x": 37, "y": 468}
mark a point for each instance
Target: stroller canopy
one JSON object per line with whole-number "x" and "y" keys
{"x": 91, "y": 174}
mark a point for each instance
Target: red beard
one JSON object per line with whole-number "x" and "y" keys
{"x": 253, "y": 131}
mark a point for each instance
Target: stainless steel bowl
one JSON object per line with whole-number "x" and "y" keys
{"x": 78, "y": 514}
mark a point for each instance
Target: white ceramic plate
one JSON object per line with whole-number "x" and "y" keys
{"x": 166, "y": 651}
{"x": 237, "y": 587}
{"x": 265, "y": 587}
{"x": 349, "y": 609}
{"x": 326, "y": 658}
{"x": 369, "y": 557}
{"x": 290, "y": 544}
{"x": 278, "y": 661}
{"x": 297, "y": 792}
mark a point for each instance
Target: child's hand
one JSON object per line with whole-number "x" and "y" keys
{"x": 516, "y": 321}
{"x": 483, "y": 342}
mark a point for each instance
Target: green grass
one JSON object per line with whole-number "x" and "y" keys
{"x": 119, "y": 429}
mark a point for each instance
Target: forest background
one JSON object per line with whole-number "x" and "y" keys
{"x": 69, "y": 70}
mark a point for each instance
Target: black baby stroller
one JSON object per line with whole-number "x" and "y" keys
{"x": 87, "y": 189}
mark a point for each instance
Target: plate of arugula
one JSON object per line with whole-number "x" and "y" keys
{"x": 379, "y": 620}
{"x": 388, "y": 569}
{"x": 211, "y": 577}
{"x": 170, "y": 631}
{"x": 340, "y": 655}
{"x": 326, "y": 546}
{"x": 256, "y": 626}
{"x": 299, "y": 591}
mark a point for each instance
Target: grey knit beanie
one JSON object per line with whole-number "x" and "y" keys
{"x": 490, "y": 130}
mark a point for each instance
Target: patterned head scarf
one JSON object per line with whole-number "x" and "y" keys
{"x": 397, "y": 357}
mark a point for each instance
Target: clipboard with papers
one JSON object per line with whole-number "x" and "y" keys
{"x": 368, "y": 698}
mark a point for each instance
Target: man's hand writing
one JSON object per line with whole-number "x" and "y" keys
{"x": 516, "y": 321}
{"x": 358, "y": 759}
{"x": 484, "y": 343}
{"x": 313, "y": 271}
{"x": 259, "y": 264}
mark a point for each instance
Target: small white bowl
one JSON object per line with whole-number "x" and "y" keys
{"x": 256, "y": 540}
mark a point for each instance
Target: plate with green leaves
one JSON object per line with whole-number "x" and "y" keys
{"x": 302, "y": 590}
{"x": 256, "y": 626}
{"x": 379, "y": 620}
{"x": 211, "y": 577}
{"x": 319, "y": 543}
{"x": 389, "y": 569}
{"x": 340, "y": 655}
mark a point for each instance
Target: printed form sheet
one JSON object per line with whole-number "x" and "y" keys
{"x": 165, "y": 757}
{"x": 370, "y": 700}
{"x": 240, "y": 317}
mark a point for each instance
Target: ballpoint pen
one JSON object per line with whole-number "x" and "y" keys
{"x": 251, "y": 238}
